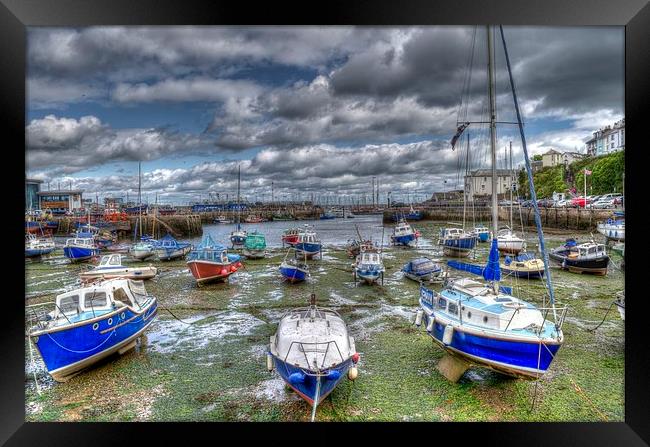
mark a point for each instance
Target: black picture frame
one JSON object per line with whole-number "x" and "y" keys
{"x": 16, "y": 15}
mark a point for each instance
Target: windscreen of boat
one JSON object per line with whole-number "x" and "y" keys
{"x": 139, "y": 292}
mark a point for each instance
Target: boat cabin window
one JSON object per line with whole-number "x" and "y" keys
{"x": 94, "y": 300}
{"x": 120, "y": 294}
{"x": 583, "y": 252}
{"x": 139, "y": 292}
{"x": 69, "y": 304}
{"x": 452, "y": 308}
{"x": 115, "y": 260}
{"x": 442, "y": 303}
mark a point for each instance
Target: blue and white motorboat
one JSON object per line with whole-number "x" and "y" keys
{"x": 483, "y": 323}
{"x": 292, "y": 269}
{"x": 483, "y": 234}
{"x": 38, "y": 246}
{"x": 456, "y": 241}
{"x": 110, "y": 267}
{"x": 369, "y": 266}
{"x": 312, "y": 351}
{"x": 308, "y": 244}
{"x": 80, "y": 248}
{"x": 403, "y": 233}
{"x": 89, "y": 324}
{"x": 168, "y": 248}
{"x": 423, "y": 270}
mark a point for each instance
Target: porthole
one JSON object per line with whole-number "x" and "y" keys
{"x": 462, "y": 308}
{"x": 123, "y": 315}
{"x": 484, "y": 319}
{"x": 110, "y": 321}
{"x": 469, "y": 315}
{"x": 95, "y": 326}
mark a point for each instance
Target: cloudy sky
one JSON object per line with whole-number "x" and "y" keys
{"x": 315, "y": 110}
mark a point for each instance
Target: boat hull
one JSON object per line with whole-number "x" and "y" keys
{"x": 142, "y": 254}
{"x": 76, "y": 254}
{"x": 34, "y": 252}
{"x": 615, "y": 232}
{"x": 524, "y": 359}
{"x": 422, "y": 277}
{"x": 208, "y": 271}
{"x": 403, "y": 240}
{"x": 526, "y": 274}
{"x": 307, "y": 249}
{"x": 68, "y": 351}
{"x": 254, "y": 254}
{"x": 293, "y": 274}
{"x": 307, "y": 387}
{"x": 594, "y": 266}
{"x": 166, "y": 254}
{"x": 369, "y": 277}
{"x": 509, "y": 246}
{"x": 122, "y": 272}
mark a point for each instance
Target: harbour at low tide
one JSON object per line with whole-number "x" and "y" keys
{"x": 207, "y": 360}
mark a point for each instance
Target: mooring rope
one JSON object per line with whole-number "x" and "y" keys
{"x": 606, "y": 313}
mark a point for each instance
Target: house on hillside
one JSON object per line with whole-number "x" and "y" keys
{"x": 607, "y": 140}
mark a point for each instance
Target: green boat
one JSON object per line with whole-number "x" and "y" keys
{"x": 255, "y": 245}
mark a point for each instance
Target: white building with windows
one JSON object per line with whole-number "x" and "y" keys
{"x": 607, "y": 140}
{"x": 478, "y": 184}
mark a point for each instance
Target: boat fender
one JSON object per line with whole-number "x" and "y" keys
{"x": 297, "y": 378}
{"x": 355, "y": 357}
{"x": 353, "y": 373}
{"x": 432, "y": 321}
{"x": 448, "y": 334}
{"x": 269, "y": 362}
{"x": 224, "y": 272}
{"x": 333, "y": 374}
{"x": 418, "y": 318}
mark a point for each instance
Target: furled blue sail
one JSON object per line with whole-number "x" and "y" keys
{"x": 471, "y": 268}
{"x": 492, "y": 272}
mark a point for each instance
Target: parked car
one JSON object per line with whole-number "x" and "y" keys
{"x": 545, "y": 203}
{"x": 527, "y": 204}
{"x": 562, "y": 203}
{"x": 578, "y": 202}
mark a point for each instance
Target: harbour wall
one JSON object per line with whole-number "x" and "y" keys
{"x": 182, "y": 225}
{"x": 552, "y": 218}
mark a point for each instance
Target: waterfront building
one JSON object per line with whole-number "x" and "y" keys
{"x": 32, "y": 188}
{"x": 60, "y": 201}
{"x": 607, "y": 140}
{"x": 478, "y": 183}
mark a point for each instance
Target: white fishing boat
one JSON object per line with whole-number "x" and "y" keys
{"x": 369, "y": 267}
{"x": 37, "y": 246}
{"x": 613, "y": 228}
{"x": 143, "y": 250}
{"x": 312, "y": 351}
{"x": 110, "y": 266}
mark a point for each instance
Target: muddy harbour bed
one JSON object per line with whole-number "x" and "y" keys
{"x": 211, "y": 366}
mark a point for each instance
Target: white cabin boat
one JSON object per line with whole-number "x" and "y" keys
{"x": 110, "y": 266}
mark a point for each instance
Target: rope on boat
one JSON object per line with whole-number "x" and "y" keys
{"x": 81, "y": 352}
{"x": 606, "y": 313}
{"x": 584, "y": 395}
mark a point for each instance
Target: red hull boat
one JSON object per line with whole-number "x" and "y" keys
{"x": 211, "y": 262}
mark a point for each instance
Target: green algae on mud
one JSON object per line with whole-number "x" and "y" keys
{"x": 215, "y": 369}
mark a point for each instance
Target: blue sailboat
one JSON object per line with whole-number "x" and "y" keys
{"x": 456, "y": 241}
{"x": 482, "y": 323}
{"x": 293, "y": 269}
{"x": 89, "y": 324}
{"x": 312, "y": 351}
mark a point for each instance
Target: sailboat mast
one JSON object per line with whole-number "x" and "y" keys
{"x": 465, "y": 188}
{"x": 238, "y": 204}
{"x": 140, "y": 196}
{"x": 531, "y": 185}
{"x": 493, "y": 131}
{"x": 511, "y": 183}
